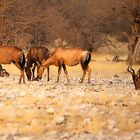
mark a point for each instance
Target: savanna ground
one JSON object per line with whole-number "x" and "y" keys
{"x": 107, "y": 108}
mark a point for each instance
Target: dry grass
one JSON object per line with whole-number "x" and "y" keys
{"x": 106, "y": 108}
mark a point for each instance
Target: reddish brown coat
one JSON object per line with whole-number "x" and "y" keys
{"x": 11, "y": 54}
{"x": 67, "y": 56}
{"x": 35, "y": 56}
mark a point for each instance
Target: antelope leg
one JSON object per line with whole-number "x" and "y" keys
{"x": 33, "y": 72}
{"x": 48, "y": 69}
{"x": 59, "y": 72}
{"x": 22, "y": 74}
{"x": 66, "y": 72}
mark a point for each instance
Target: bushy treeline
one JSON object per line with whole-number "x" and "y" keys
{"x": 81, "y": 23}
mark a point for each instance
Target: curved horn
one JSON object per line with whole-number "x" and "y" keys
{"x": 131, "y": 70}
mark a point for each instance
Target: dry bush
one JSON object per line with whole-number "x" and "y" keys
{"x": 25, "y": 24}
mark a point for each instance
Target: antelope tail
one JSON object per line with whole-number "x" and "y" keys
{"x": 87, "y": 59}
{"x": 22, "y": 61}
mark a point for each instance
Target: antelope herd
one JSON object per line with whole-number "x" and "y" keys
{"x": 41, "y": 58}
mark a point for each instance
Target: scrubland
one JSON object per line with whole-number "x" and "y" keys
{"x": 107, "y": 108}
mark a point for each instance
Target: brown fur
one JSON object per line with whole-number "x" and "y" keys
{"x": 67, "y": 56}
{"x": 11, "y": 54}
{"x": 35, "y": 56}
{"x": 135, "y": 77}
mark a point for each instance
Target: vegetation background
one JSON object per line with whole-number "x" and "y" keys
{"x": 79, "y": 22}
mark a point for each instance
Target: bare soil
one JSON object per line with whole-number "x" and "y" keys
{"x": 107, "y": 108}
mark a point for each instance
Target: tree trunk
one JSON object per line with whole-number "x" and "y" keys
{"x": 133, "y": 49}
{"x": 134, "y": 43}
{"x": 136, "y": 54}
{"x": 134, "y": 39}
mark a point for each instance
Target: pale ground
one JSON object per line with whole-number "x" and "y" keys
{"x": 107, "y": 108}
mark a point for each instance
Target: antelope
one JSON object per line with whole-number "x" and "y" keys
{"x": 35, "y": 56}
{"x": 12, "y": 54}
{"x": 135, "y": 77}
{"x": 61, "y": 57}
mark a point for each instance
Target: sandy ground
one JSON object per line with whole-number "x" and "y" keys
{"x": 107, "y": 108}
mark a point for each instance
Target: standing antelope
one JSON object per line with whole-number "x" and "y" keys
{"x": 11, "y": 54}
{"x": 135, "y": 77}
{"x": 35, "y": 56}
{"x": 67, "y": 56}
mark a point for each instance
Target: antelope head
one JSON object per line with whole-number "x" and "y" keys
{"x": 135, "y": 77}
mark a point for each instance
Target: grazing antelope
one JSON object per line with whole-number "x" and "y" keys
{"x": 35, "y": 56}
{"x": 67, "y": 56}
{"x": 135, "y": 77}
{"x": 11, "y": 54}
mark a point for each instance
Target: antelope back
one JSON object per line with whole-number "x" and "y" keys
{"x": 9, "y": 54}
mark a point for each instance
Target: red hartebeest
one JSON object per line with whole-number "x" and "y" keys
{"x": 34, "y": 58}
{"x": 135, "y": 77}
{"x": 11, "y": 54}
{"x": 67, "y": 56}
